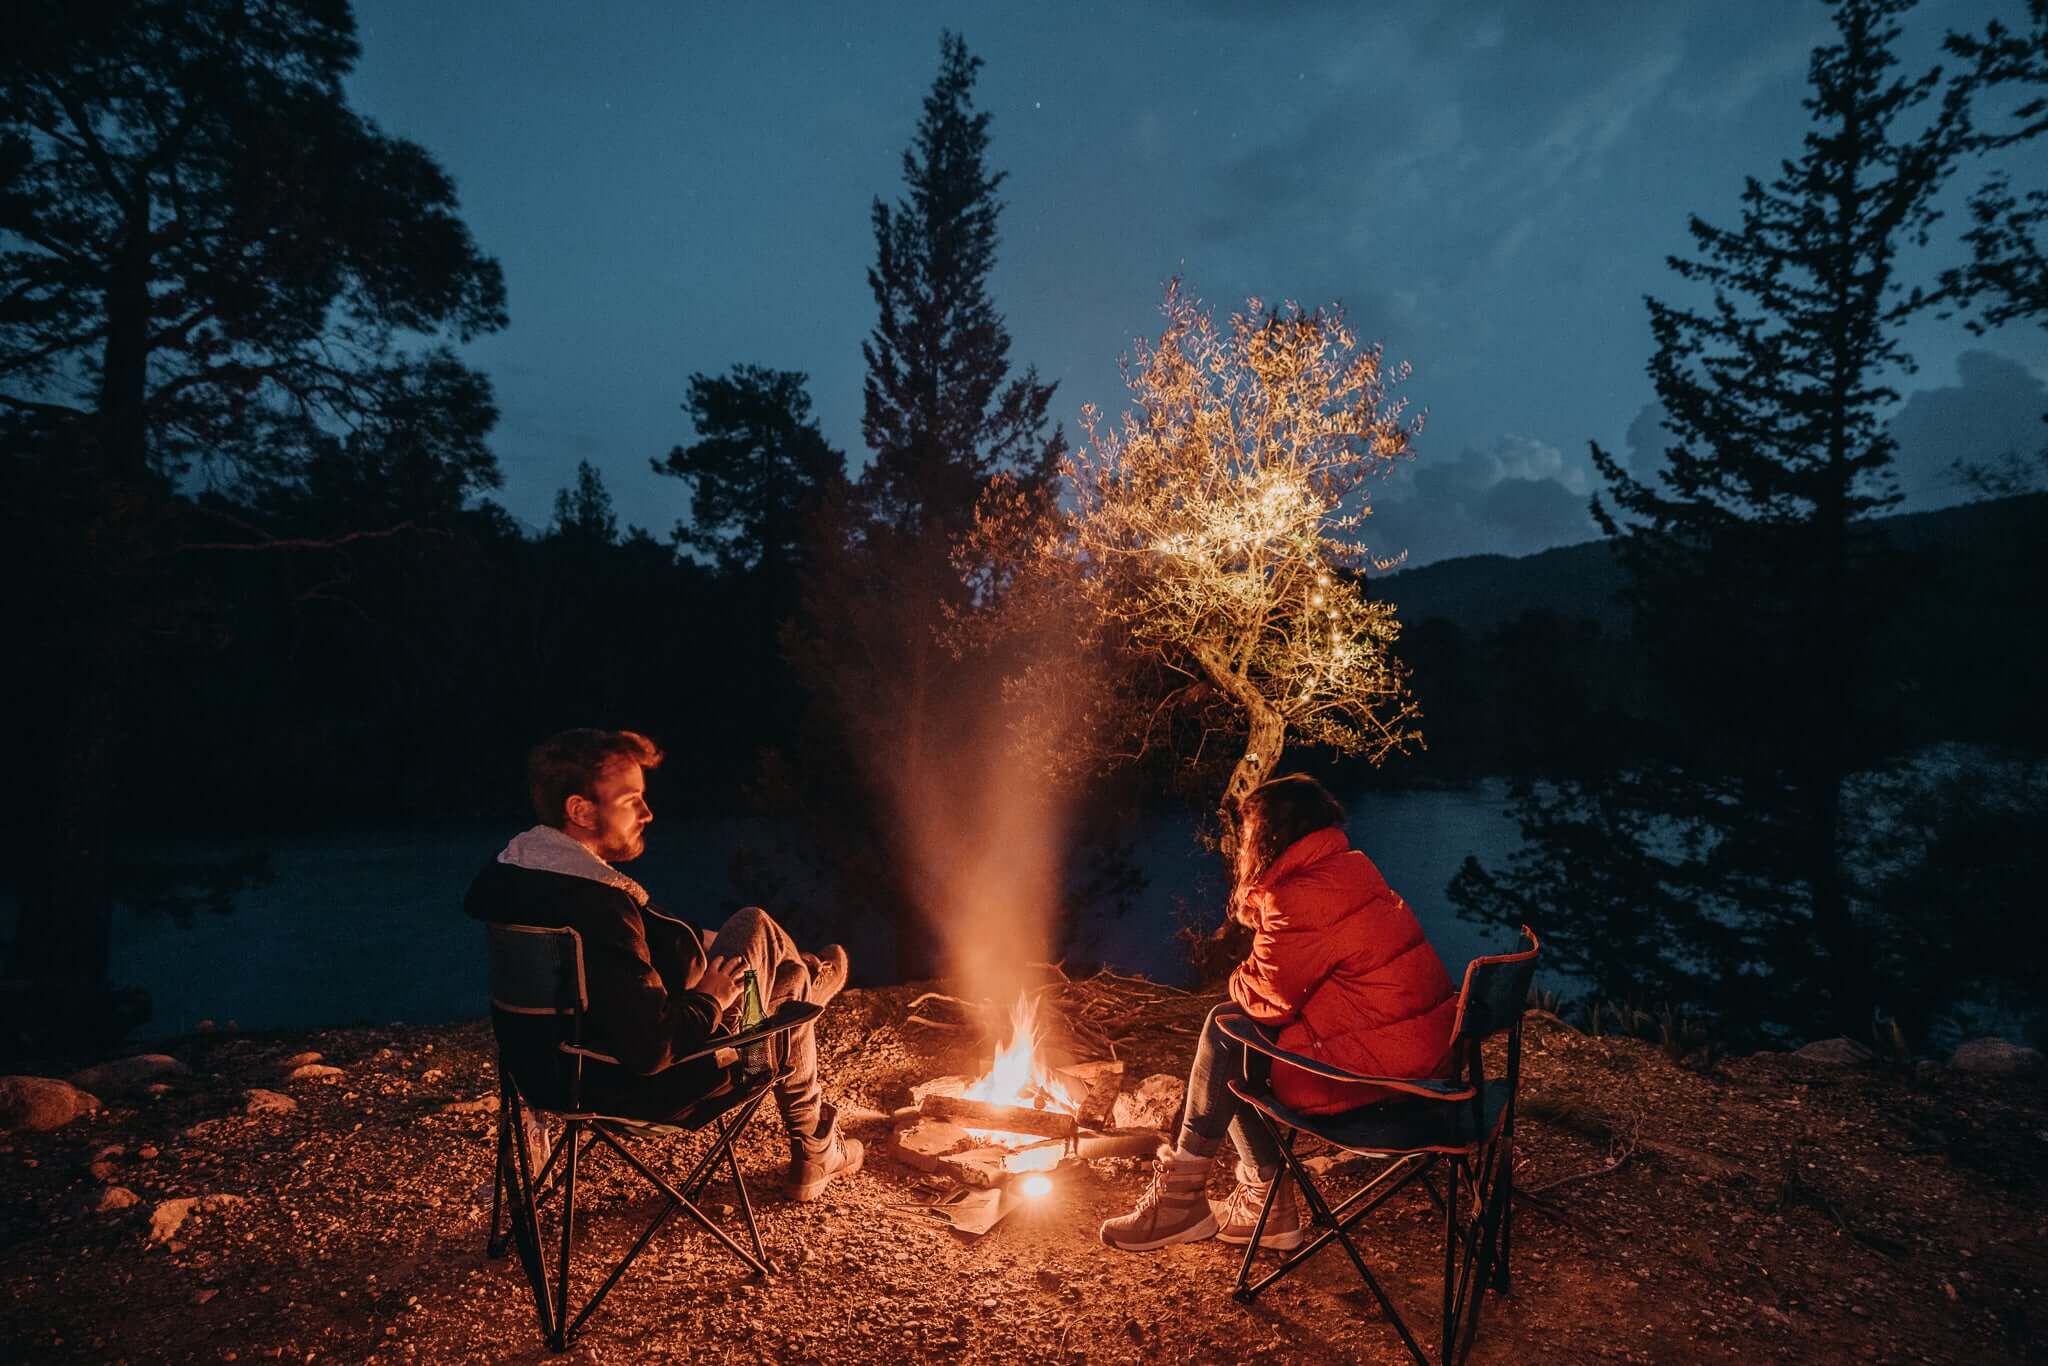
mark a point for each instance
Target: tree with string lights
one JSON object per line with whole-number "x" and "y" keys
{"x": 1212, "y": 540}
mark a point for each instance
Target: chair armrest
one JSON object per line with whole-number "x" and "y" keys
{"x": 789, "y": 1016}
{"x": 1247, "y": 1031}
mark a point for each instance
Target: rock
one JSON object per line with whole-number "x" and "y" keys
{"x": 263, "y": 1102}
{"x": 923, "y": 1143}
{"x": 1154, "y": 1105}
{"x": 122, "y": 1076}
{"x": 104, "y": 1170}
{"x": 115, "y": 1198}
{"x": 482, "y": 1105}
{"x": 313, "y": 1071}
{"x": 1996, "y": 1058}
{"x": 1836, "y": 1052}
{"x": 42, "y": 1103}
{"x": 299, "y": 1060}
{"x": 169, "y": 1216}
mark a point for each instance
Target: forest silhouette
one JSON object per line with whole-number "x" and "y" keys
{"x": 252, "y": 551}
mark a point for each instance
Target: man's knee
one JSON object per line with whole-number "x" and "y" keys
{"x": 748, "y": 922}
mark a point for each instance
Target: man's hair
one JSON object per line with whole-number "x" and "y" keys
{"x": 569, "y": 765}
{"x": 1287, "y": 809}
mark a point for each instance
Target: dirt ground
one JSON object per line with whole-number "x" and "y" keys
{"x": 1772, "y": 1209}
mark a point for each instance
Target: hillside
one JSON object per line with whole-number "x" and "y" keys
{"x": 1481, "y": 592}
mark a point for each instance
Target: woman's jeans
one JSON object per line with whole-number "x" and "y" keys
{"x": 1212, "y": 1109}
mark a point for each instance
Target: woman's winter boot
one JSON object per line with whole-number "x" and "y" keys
{"x": 1172, "y": 1209}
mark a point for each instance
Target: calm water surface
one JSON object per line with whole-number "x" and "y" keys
{"x": 368, "y": 927}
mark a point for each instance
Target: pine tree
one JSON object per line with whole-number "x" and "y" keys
{"x": 941, "y": 412}
{"x": 759, "y": 471}
{"x": 583, "y": 512}
{"x": 942, "y": 415}
{"x": 211, "y": 264}
{"x": 1756, "y": 583}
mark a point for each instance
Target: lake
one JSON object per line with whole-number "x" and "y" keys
{"x": 368, "y": 926}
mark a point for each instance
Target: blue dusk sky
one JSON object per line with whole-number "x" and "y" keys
{"x": 1488, "y": 189}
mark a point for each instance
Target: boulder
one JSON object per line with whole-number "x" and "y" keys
{"x": 42, "y": 1103}
{"x": 299, "y": 1060}
{"x": 1837, "y": 1052}
{"x": 124, "y": 1075}
{"x": 313, "y": 1071}
{"x": 1155, "y": 1104}
{"x": 263, "y": 1102}
{"x": 1997, "y": 1058}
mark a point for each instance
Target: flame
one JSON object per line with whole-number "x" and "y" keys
{"x": 1018, "y": 1076}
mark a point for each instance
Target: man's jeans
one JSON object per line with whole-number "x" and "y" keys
{"x": 753, "y": 935}
{"x": 1212, "y": 1109}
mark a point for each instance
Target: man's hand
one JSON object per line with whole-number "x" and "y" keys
{"x": 721, "y": 979}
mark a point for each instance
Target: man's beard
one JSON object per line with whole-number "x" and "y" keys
{"x": 624, "y": 848}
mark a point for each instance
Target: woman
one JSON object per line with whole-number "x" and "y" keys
{"x": 1340, "y": 969}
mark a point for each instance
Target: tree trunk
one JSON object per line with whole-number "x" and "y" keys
{"x": 64, "y": 939}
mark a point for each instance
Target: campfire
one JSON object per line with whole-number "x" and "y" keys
{"x": 1006, "y": 1130}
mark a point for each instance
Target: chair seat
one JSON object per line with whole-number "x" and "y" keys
{"x": 722, "y": 1101}
{"x": 1406, "y": 1124}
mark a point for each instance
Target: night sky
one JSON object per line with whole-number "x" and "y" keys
{"x": 1490, "y": 189}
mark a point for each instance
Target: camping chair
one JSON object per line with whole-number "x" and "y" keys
{"x": 1465, "y": 1122}
{"x": 537, "y": 974}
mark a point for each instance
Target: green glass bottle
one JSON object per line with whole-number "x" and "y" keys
{"x": 753, "y": 1056}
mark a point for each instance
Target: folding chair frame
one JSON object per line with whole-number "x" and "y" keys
{"x": 1480, "y": 1164}
{"x": 518, "y": 1192}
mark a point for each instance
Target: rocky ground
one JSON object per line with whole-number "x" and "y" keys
{"x": 324, "y": 1196}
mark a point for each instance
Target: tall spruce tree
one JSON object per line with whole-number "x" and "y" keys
{"x": 943, "y": 414}
{"x": 1715, "y": 873}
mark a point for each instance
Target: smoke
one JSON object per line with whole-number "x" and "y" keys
{"x": 984, "y": 823}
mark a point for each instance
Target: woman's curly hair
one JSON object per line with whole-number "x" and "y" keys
{"x": 1273, "y": 816}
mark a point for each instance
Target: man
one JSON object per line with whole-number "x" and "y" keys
{"x": 656, "y": 991}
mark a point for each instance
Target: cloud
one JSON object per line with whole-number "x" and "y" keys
{"x": 1995, "y": 409}
{"x": 1515, "y": 498}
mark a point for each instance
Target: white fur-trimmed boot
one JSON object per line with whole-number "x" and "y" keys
{"x": 1172, "y": 1209}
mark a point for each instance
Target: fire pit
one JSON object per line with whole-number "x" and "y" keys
{"x": 1008, "y": 1129}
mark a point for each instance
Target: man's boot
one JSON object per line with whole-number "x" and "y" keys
{"x": 828, "y": 973}
{"x": 813, "y": 1162}
{"x": 1172, "y": 1209}
{"x": 1239, "y": 1215}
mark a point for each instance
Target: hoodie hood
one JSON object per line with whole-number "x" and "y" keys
{"x": 545, "y": 849}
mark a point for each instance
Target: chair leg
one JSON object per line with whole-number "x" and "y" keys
{"x": 494, "y": 1246}
{"x": 560, "y": 1337}
{"x": 739, "y": 1182}
{"x": 1506, "y": 1195}
{"x": 1451, "y": 1241}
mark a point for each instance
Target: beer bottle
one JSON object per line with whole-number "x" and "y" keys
{"x": 754, "y": 1056}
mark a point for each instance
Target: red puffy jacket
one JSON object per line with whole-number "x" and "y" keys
{"x": 1340, "y": 967}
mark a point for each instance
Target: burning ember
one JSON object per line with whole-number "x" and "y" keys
{"x": 998, "y": 1136}
{"x": 1019, "y": 1079}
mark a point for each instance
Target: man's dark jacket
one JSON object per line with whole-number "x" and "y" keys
{"x": 639, "y": 966}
